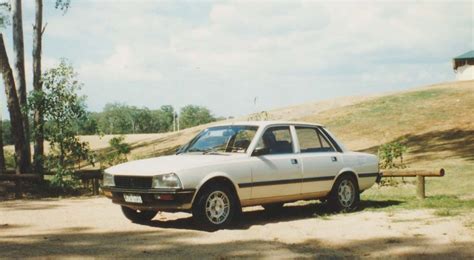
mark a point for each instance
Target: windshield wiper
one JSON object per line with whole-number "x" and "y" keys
{"x": 211, "y": 151}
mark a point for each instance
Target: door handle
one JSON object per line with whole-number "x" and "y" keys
{"x": 294, "y": 161}
{"x": 334, "y": 158}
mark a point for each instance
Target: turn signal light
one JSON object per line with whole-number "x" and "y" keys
{"x": 164, "y": 197}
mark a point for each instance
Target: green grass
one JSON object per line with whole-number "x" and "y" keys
{"x": 445, "y": 213}
{"x": 403, "y": 197}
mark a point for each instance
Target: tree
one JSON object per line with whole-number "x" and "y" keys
{"x": 37, "y": 112}
{"x": 2, "y": 154}
{"x": 87, "y": 125}
{"x": 16, "y": 117}
{"x": 165, "y": 118}
{"x": 7, "y": 133}
{"x": 3, "y": 21}
{"x": 116, "y": 119}
{"x": 19, "y": 72}
{"x": 192, "y": 115}
{"x": 62, "y": 107}
{"x": 38, "y": 121}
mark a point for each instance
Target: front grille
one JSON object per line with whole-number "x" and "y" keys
{"x": 133, "y": 182}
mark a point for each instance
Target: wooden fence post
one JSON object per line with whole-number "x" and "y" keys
{"x": 18, "y": 193}
{"x": 420, "y": 187}
{"x": 95, "y": 186}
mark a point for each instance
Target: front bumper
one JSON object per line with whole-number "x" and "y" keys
{"x": 153, "y": 199}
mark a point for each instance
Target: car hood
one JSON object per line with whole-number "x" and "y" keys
{"x": 169, "y": 164}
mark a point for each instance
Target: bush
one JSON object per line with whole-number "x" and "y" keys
{"x": 119, "y": 152}
{"x": 389, "y": 154}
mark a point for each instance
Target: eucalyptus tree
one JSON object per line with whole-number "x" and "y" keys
{"x": 19, "y": 72}
{"x": 16, "y": 117}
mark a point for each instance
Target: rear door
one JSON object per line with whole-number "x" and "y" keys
{"x": 320, "y": 160}
{"x": 279, "y": 172}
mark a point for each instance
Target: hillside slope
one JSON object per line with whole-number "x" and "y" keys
{"x": 421, "y": 117}
{"x": 432, "y": 113}
{"x": 435, "y": 122}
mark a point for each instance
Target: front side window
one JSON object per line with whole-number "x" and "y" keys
{"x": 311, "y": 140}
{"x": 277, "y": 140}
{"x": 229, "y": 139}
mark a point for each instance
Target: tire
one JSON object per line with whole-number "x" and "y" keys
{"x": 345, "y": 195}
{"x": 215, "y": 208}
{"x": 138, "y": 216}
{"x": 273, "y": 207}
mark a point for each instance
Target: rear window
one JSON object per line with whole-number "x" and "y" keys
{"x": 312, "y": 141}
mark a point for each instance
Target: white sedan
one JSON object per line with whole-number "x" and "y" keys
{"x": 227, "y": 167}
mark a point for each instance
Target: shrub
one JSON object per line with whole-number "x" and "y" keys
{"x": 391, "y": 155}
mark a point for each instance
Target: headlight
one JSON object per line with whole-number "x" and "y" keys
{"x": 170, "y": 180}
{"x": 108, "y": 180}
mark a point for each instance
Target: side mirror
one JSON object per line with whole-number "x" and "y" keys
{"x": 260, "y": 151}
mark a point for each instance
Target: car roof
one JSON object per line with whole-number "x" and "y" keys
{"x": 267, "y": 123}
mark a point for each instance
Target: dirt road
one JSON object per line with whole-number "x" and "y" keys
{"x": 95, "y": 228}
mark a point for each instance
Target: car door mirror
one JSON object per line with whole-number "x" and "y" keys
{"x": 260, "y": 151}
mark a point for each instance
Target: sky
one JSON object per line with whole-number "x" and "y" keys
{"x": 226, "y": 55}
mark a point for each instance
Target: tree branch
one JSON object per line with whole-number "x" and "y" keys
{"x": 44, "y": 28}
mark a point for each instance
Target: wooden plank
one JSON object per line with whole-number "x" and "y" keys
{"x": 412, "y": 173}
{"x": 87, "y": 174}
{"x": 12, "y": 177}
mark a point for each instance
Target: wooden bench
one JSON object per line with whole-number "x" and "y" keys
{"x": 420, "y": 174}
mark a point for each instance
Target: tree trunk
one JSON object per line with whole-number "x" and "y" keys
{"x": 2, "y": 155}
{"x": 16, "y": 120}
{"x": 37, "y": 86}
{"x": 19, "y": 71}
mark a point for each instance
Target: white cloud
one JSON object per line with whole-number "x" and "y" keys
{"x": 180, "y": 52}
{"x": 124, "y": 64}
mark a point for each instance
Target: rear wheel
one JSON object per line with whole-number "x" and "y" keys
{"x": 345, "y": 195}
{"x": 138, "y": 216}
{"x": 215, "y": 207}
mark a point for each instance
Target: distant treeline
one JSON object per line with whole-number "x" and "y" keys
{"x": 118, "y": 118}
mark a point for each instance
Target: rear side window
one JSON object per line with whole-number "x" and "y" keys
{"x": 312, "y": 141}
{"x": 277, "y": 140}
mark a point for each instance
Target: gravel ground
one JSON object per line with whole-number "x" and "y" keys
{"x": 95, "y": 228}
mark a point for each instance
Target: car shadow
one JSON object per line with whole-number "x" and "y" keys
{"x": 257, "y": 216}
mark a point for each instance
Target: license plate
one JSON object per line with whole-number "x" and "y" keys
{"x": 132, "y": 198}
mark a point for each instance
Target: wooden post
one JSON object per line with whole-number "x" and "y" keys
{"x": 18, "y": 194}
{"x": 95, "y": 186}
{"x": 420, "y": 187}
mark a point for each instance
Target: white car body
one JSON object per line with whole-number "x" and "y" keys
{"x": 256, "y": 180}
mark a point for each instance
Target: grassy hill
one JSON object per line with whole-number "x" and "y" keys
{"x": 440, "y": 114}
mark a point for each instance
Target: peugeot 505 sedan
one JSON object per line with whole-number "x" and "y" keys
{"x": 227, "y": 167}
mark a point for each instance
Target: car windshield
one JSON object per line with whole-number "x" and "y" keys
{"x": 221, "y": 139}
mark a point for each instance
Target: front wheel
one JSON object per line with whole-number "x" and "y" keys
{"x": 138, "y": 216}
{"x": 215, "y": 207}
{"x": 345, "y": 195}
